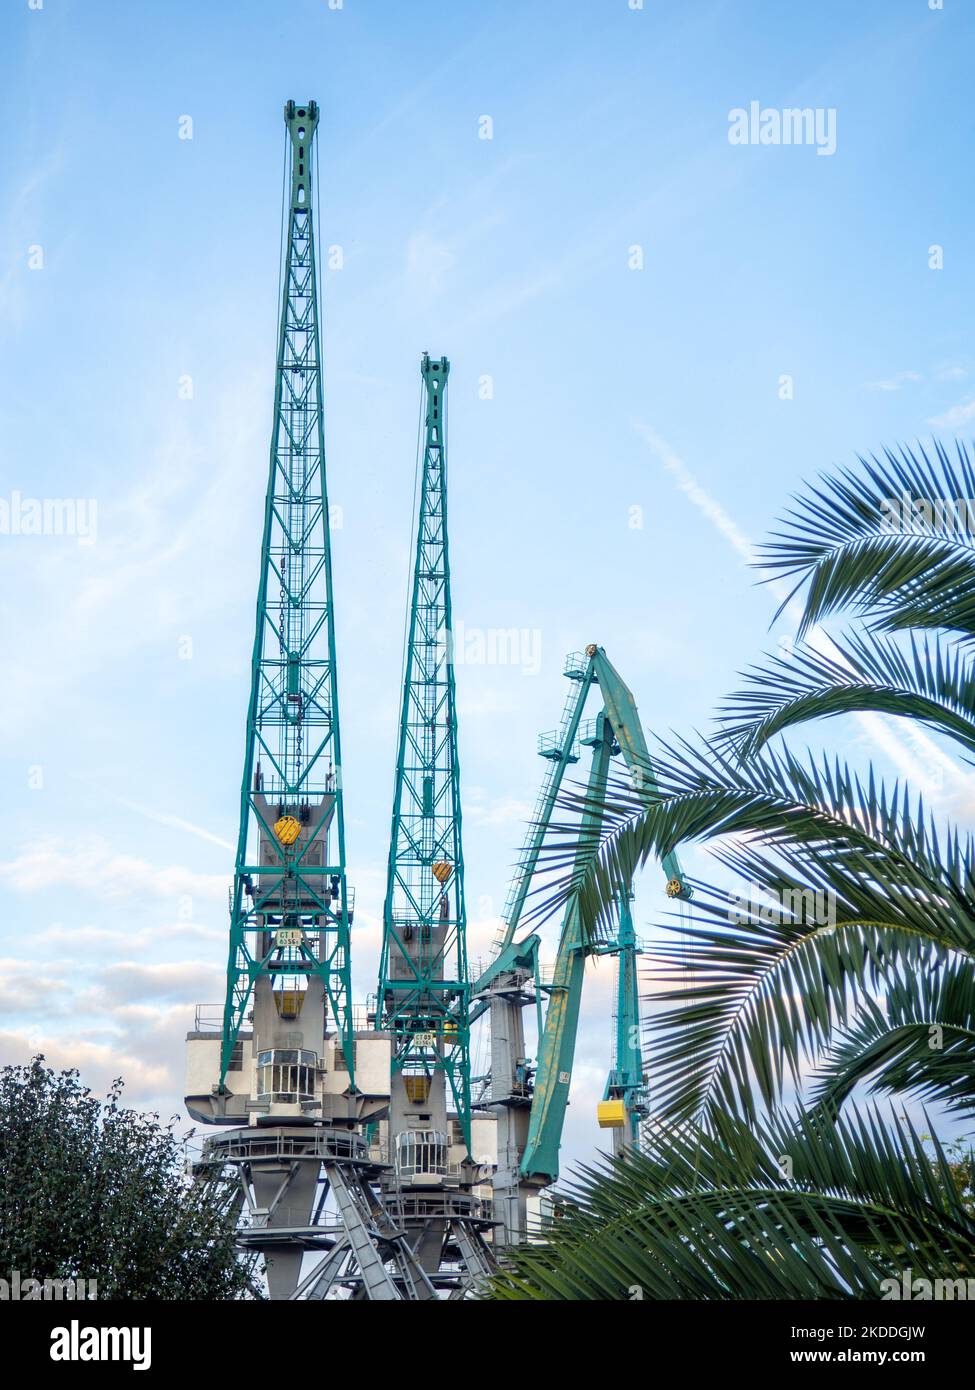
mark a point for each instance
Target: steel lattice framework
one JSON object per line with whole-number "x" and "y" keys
{"x": 424, "y": 991}
{"x": 290, "y": 909}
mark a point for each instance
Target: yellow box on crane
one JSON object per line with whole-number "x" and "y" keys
{"x": 417, "y": 1088}
{"x": 611, "y": 1114}
{"x": 288, "y": 1002}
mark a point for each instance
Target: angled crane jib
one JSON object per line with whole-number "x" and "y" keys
{"x": 616, "y": 729}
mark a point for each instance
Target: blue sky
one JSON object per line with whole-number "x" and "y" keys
{"x": 616, "y": 395}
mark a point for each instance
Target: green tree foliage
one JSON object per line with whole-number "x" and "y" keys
{"x": 91, "y": 1190}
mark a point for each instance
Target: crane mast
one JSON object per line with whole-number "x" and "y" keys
{"x": 624, "y": 1102}
{"x": 291, "y": 910}
{"x": 424, "y": 990}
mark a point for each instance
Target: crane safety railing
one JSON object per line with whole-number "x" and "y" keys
{"x": 291, "y": 1219}
{"x": 208, "y": 1018}
{"x": 418, "y": 1208}
{"x": 575, "y": 666}
{"x": 546, "y": 969}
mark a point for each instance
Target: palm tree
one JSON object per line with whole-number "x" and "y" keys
{"x": 755, "y": 1004}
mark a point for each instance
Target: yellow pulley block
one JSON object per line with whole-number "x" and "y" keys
{"x": 287, "y": 829}
{"x": 442, "y": 871}
{"x": 674, "y": 888}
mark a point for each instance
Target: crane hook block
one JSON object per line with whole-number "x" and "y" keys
{"x": 287, "y": 829}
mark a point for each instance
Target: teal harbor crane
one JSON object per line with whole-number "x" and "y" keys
{"x": 291, "y": 909}
{"x": 423, "y": 978}
{"x": 424, "y": 986}
{"x": 530, "y": 1103}
{"x": 284, "y": 1064}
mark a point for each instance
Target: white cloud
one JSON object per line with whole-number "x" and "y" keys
{"x": 99, "y": 1063}
{"x": 18, "y": 996}
{"x": 958, "y": 415}
{"x": 187, "y": 981}
{"x": 92, "y": 864}
{"x": 894, "y": 383}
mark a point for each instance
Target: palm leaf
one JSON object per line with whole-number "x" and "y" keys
{"x": 751, "y": 1213}
{"x": 854, "y": 551}
{"x": 774, "y": 801}
{"x": 919, "y": 1040}
{"x": 929, "y": 682}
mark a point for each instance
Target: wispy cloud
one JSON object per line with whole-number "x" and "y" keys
{"x": 958, "y": 415}
{"x": 483, "y": 809}
{"x": 24, "y": 228}
{"x": 175, "y": 823}
{"x": 93, "y": 864}
{"x": 707, "y": 505}
{"x": 894, "y": 383}
{"x": 429, "y": 261}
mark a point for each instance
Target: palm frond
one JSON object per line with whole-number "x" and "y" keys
{"x": 767, "y": 1213}
{"x": 918, "y": 1040}
{"x": 749, "y": 1003}
{"x": 776, "y": 802}
{"x": 930, "y": 681}
{"x": 748, "y": 997}
{"x": 859, "y": 546}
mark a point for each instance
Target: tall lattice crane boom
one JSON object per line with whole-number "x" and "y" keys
{"x": 423, "y": 981}
{"x": 290, "y": 909}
